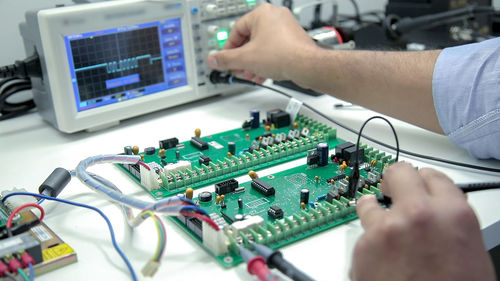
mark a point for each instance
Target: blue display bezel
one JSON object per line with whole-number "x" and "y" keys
{"x": 172, "y": 57}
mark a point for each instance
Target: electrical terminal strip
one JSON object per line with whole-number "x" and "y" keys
{"x": 15, "y": 201}
{"x": 149, "y": 270}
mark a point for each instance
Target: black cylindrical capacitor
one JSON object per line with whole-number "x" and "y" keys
{"x": 304, "y": 196}
{"x": 231, "y": 147}
{"x": 177, "y": 154}
{"x": 255, "y": 114}
{"x": 128, "y": 150}
{"x": 240, "y": 203}
{"x": 323, "y": 150}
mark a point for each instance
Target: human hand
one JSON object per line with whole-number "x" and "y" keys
{"x": 430, "y": 232}
{"x": 264, "y": 44}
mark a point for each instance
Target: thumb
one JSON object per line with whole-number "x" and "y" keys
{"x": 227, "y": 59}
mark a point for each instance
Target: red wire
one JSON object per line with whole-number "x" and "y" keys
{"x": 18, "y": 209}
{"x": 144, "y": 165}
{"x": 207, "y": 220}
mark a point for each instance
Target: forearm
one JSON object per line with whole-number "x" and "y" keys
{"x": 398, "y": 84}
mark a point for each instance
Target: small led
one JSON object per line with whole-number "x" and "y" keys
{"x": 222, "y": 35}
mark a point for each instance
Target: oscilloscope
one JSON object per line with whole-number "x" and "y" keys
{"x": 108, "y": 61}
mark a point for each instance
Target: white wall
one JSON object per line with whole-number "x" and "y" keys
{"x": 12, "y": 13}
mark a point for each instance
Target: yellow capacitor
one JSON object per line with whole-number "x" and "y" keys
{"x": 197, "y": 132}
{"x": 135, "y": 150}
{"x": 247, "y": 136}
{"x": 316, "y": 178}
{"x": 229, "y": 155}
{"x": 268, "y": 128}
{"x": 295, "y": 125}
{"x": 142, "y": 157}
{"x": 217, "y": 200}
{"x": 373, "y": 162}
{"x": 222, "y": 197}
{"x": 189, "y": 193}
{"x": 332, "y": 181}
{"x": 302, "y": 205}
{"x": 161, "y": 152}
{"x": 253, "y": 174}
{"x": 366, "y": 186}
{"x": 260, "y": 138}
{"x": 198, "y": 204}
{"x": 347, "y": 177}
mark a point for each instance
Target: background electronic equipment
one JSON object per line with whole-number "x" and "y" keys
{"x": 108, "y": 61}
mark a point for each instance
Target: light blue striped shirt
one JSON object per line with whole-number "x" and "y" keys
{"x": 466, "y": 90}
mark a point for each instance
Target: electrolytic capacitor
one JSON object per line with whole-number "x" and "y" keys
{"x": 304, "y": 196}
{"x": 231, "y": 148}
{"x": 240, "y": 203}
{"x": 128, "y": 150}
{"x": 177, "y": 154}
{"x": 255, "y": 114}
{"x": 323, "y": 151}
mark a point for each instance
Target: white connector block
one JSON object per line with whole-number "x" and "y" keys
{"x": 15, "y": 201}
{"x": 149, "y": 270}
{"x": 246, "y": 224}
{"x": 216, "y": 241}
{"x": 180, "y": 166}
{"x": 151, "y": 179}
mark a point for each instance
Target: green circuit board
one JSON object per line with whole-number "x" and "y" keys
{"x": 222, "y": 166}
{"x": 298, "y": 221}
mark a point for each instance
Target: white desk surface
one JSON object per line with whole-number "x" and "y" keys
{"x": 31, "y": 149}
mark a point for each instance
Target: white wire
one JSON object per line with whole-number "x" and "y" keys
{"x": 106, "y": 187}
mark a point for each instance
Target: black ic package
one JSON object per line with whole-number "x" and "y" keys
{"x": 205, "y": 160}
{"x": 169, "y": 143}
{"x": 275, "y": 212}
{"x": 199, "y": 143}
{"x": 263, "y": 187}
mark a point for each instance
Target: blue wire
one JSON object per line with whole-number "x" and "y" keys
{"x": 40, "y": 201}
{"x": 111, "y": 231}
{"x": 196, "y": 208}
{"x": 32, "y": 272}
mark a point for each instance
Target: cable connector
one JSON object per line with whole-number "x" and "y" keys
{"x": 26, "y": 259}
{"x": 217, "y": 77}
{"x": 353, "y": 180}
{"x": 149, "y": 270}
{"x": 29, "y": 67}
{"x": 274, "y": 259}
{"x": 256, "y": 265}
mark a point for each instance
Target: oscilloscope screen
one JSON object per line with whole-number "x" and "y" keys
{"x": 123, "y": 63}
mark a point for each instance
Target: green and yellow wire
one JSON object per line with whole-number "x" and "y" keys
{"x": 162, "y": 236}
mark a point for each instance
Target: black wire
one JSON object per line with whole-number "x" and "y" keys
{"x": 9, "y": 87}
{"x": 356, "y": 10}
{"x": 288, "y": 4}
{"x": 422, "y": 156}
{"x": 393, "y": 131}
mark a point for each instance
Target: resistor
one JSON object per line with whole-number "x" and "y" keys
{"x": 189, "y": 193}
{"x": 253, "y": 174}
{"x": 135, "y": 149}
{"x": 197, "y": 132}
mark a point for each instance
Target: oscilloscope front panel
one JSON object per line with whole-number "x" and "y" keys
{"x": 108, "y": 61}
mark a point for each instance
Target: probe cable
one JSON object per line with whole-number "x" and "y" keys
{"x": 108, "y": 222}
{"x": 216, "y": 77}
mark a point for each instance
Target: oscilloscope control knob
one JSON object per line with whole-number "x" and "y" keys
{"x": 211, "y": 8}
{"x": 213, "y": 29}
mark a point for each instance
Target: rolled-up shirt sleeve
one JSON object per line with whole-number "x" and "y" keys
{"x": 466, "y": 91}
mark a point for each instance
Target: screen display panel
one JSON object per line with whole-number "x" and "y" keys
{"x": 124, "y": 63}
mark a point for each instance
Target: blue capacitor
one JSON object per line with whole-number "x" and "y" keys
{"x": 323, "y": 150}
{"x": 255, "y": 114}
